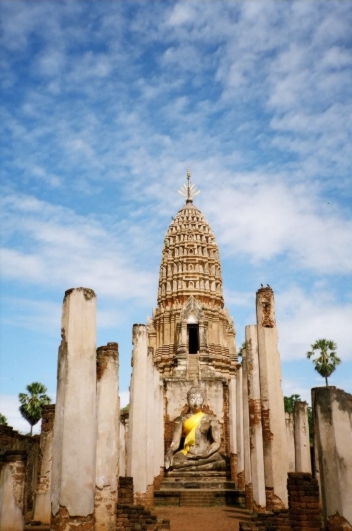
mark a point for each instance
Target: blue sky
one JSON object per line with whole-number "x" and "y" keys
{"x": 104, "y": 104}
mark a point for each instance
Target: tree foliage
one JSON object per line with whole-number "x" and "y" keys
{"x": 289, "y": 402}
{"x": 326, "y": 359}
{"x": 3, "y": 420}
{"x": 32, "y": 403}
{"x": 240, "y": 352}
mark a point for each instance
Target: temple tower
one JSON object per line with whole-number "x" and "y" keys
{"x": 190, "y": 340}
{"x": 191, "y": 333}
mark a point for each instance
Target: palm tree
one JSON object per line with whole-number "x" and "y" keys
{"x": 327, "y": 361}
{"x": 31, "y": 405}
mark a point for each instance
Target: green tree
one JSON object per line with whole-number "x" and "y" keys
{"x": 326, "y": 360}
{"x": 289, "y": 402}
{"x": 3, "y": 420}
{"x": 240, "y": 352}
{"x": 32, "y": 403}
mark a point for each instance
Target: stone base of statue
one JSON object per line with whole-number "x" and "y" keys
{"x": 213, "y": 462}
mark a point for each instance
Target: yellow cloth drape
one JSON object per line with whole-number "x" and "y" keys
{"x": 189, "y": 429}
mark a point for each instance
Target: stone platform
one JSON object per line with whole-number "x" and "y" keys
{"x": 198, "y": 489}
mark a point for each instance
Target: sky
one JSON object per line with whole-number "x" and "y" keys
{"x": 105, "y": 104}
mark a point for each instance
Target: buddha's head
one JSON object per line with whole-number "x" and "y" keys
{"x": 195, "y": 399}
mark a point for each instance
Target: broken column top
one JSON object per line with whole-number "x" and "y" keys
{"x": 87, "y": 292}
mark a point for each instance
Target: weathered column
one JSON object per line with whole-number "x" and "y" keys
{"x": 239, "y": 428}
{"x": 75, "y": 427}
{"x": 122, "y": 452}
{"x": 12, "y": 486}
{"x": 159, "y": 428}
{"x": 302, "y": 444}
{"x": 108, "y": 421}
{"x": 255, "y": 419}
{"x": 246, "y": 436}
{"x": 233, "y": 437}
{"x": 273, "y": 413}
{"x": 138, "y": 413}
{"x": 152, "y": 425}
{"x": 42, "y": 502}
{"x": 332, "y": 413}
{"x": 290, "y": 442}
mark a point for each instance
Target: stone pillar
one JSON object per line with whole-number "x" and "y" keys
{"x": 273, "y": 413}
{"x": 42, "y": 503}
{"x": 75, "y": 426}
{"x": 255, "y": 420}
{"x": 239, "y": 428}
{"x": 290, "y": 442}
{"x": 138, "y": 412}
{"x": 159, "y": 428}
{"x": 332, "y": 412}
{"x": 108, "y": 421}
{"x": 246, "y": 435}
{"x": 122, "y": 453}
{"x": 12, "y": 487}
{"x": 233, "y": 422}
{"x": 302, "y": 444}
{"x": 152, "y": 425}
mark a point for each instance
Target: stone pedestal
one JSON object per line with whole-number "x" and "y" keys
{"x": 42, "y": 504}
{"x": 246, "y": 435}
{"x": 239, "y": 427}
{"x": 12, "y": 487}
{"x": 255, "y": 420}
{"x": 290, "y": 442}
{"x": 332, "y": 412}
{"x": 75, "y": 427}
{"x": 108, "y": 421}
{"x": 273, "y": 413}
{"x": 302, "y": 445}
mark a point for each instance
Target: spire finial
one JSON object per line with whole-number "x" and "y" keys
{"x": 189, "y": 191}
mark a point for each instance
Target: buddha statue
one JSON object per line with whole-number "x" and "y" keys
{"x": 201, "y": 434}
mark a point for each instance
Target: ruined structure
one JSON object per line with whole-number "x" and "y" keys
{"x": 202, "y": 428}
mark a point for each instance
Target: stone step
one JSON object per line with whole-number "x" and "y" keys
{"x": 201, "y": 474}
{"x": 200, "y": 497}
{"x": 197, "y": 483}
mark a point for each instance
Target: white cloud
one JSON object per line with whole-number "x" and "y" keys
{"x": 9, "y": 405}
{"x": 63, "y": 249}
{"x": 265, "y": 220}
{"x": 302, "y": 318}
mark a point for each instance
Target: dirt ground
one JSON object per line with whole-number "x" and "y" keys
{"x": 200, "y": 518}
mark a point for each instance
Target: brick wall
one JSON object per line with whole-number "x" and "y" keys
{"x": 11, "y": 440}
{"x": 303, "y": 499}
{"x": 135, "y": 517}
{"x": 303, "y": 514}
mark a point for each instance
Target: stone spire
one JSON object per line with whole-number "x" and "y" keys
{"x": 190, "y": 292}
{"x": 190, "y": 262}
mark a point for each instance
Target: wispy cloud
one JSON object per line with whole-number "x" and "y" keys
{"x": 104, "y": 105}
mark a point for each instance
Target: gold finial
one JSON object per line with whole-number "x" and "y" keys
{"x": 189, "y": 191}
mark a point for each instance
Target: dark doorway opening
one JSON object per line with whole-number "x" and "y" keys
{"x": 193, "y": 338}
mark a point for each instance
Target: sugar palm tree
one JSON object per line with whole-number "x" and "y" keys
{"x": 327, "y": 360}
{"x": 32, "y": 404}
